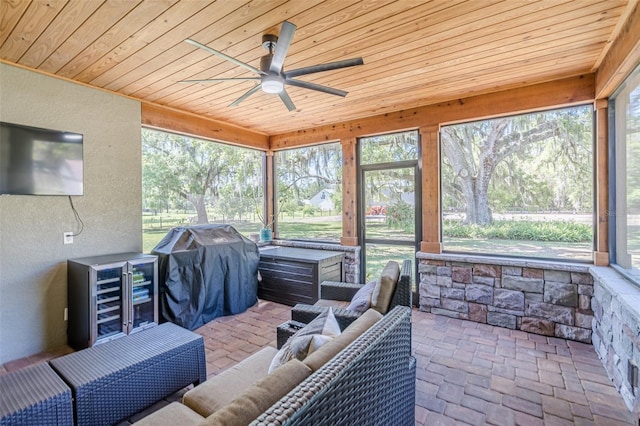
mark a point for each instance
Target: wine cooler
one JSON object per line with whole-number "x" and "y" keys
{"x": 111, "y": 296}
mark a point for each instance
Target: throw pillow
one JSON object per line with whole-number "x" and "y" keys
{"x": 383, "y": 291}
{"x": 309, "y": 338}
{"x": 362, "y": 299}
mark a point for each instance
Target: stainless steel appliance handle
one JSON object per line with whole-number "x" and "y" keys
{"x": 123, "y": 298}
{"x": 130, "y": 298}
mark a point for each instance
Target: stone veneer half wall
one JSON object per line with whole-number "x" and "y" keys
{"x": 616, "y": 330}
{"x": 548, "y": 298}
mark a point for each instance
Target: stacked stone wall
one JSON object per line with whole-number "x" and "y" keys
{"x": 518, "y": 295}
{"x": 616, "y": 330}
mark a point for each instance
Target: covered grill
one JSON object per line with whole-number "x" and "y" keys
{"x": 205, "y": 271}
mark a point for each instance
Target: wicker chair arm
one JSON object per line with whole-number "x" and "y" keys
{"x": 404, "y": 291}
{"x": 334, "y": 290}
{"x": 306, "y": 313}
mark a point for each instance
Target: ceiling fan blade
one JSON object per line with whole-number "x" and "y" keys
{"x": 287, "y": 100}
{"x": 282, "y": 46}
{"x": 208, "y": 80}
{"x": 314, "y": 86}
{"x": 245, "y": 96}
{"x": 324, "y": 67}
{"x": 224, "y": 56}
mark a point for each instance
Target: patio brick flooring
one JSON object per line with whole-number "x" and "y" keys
{"x": 467, "y": 373}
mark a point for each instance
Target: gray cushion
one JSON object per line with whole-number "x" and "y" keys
{"x": 362, "y": 299}
{"x": 307, "y": 339}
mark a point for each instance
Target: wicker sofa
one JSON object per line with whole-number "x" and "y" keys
{"x": 366, "y": 375}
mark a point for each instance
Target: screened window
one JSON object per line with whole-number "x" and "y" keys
{"x": 309, "y": 193}
{"x": 626, "y": 175}
{"x": 520, "y": 185}
{"x": 389, "y": 148}
{"x": 188, "y": 181}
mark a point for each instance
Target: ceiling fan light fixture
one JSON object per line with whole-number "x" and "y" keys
{"x": 272, "y": 84}
{"x": 271, "y": 74}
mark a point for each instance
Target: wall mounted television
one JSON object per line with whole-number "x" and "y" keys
{"x": 36, "y": 161}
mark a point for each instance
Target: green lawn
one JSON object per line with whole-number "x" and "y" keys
{"x": 329, "y": 228}
{"x": 535, "y": 249}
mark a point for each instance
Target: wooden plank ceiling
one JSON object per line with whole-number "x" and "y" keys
{"x": 415, "y": 52}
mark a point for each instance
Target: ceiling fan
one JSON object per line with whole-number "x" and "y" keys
{"x": 271, "y": 76}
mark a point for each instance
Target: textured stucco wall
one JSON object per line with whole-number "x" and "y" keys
{"x": 33, "y": 271}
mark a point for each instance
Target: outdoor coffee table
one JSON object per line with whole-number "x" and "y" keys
{"x": 35, "y": 395}
{"x": 114, "y": 380}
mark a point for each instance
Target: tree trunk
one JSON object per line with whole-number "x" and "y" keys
{"x": 500, "y": 139}
{"x": 483, "y": 211}
{"x": 477, "y": 209}
{"x": 198, "y": 202}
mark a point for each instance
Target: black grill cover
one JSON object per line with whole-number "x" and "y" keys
{"x": 206, "y": 271}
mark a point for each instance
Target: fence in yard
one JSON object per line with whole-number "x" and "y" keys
{"x": 160, "y": 222}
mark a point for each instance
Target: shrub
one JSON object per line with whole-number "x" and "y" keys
{"x": 560, "y": 231}
{"x": 400, "y": 216}
{"x": 308, "y": 210}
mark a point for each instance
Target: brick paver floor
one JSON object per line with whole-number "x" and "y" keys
{"x": 471, "y": 373}
{"x": 467, "y": 373}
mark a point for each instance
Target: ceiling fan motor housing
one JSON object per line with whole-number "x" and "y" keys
{"x": 269, "y": 42}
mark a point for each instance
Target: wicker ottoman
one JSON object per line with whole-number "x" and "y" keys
{"x": 114, "y": 380}
{"x": 34, "y": 395}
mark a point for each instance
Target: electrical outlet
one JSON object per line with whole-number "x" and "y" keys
{"x": 66, "y": 314}
{"x": 68, "y": 237}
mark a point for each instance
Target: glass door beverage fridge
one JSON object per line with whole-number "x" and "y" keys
{"x": 111, "y": 296}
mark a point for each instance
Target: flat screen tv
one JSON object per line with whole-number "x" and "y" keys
{"x": 36, "y": 161}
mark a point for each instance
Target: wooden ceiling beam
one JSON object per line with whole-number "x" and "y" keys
{"x": 164, "y": 118}
{"x": 568, "y": 91}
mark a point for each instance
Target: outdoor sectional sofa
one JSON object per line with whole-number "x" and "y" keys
{"x": 366, "y": 375}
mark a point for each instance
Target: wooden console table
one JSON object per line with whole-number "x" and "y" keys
{"x": 293, "y": 275}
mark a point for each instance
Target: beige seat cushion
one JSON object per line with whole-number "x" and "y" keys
{"x": 386, "y": 285}
{"x": 171, "y": 415}
{"x": 332, "y": 303}
{"x": 219, "y": 390}
{"x": 262, "y": 395}
{"x": 320, "y": 357}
